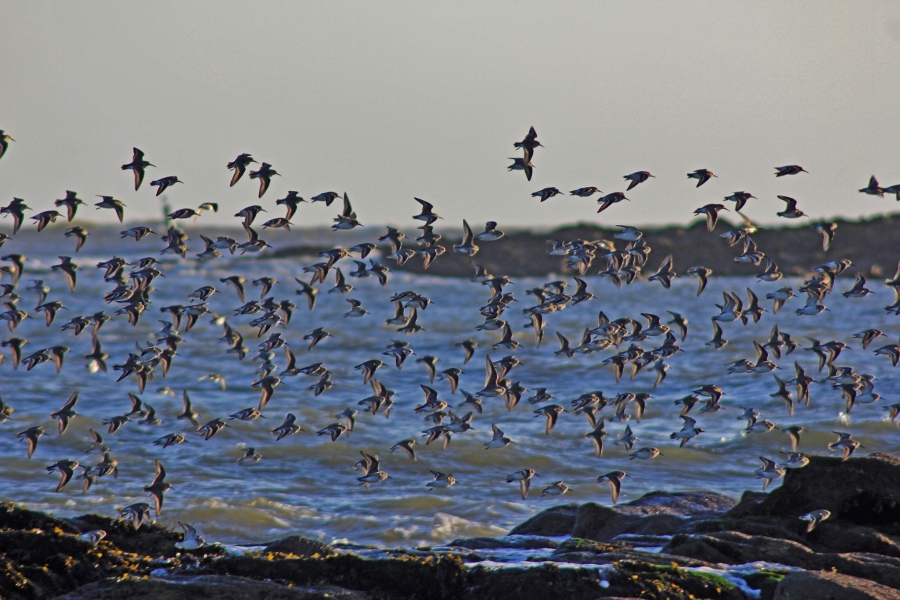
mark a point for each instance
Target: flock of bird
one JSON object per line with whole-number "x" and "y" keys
{"x": 640, "y": 344}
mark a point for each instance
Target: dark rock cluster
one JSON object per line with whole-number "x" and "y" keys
{"x": 663, "y": 545}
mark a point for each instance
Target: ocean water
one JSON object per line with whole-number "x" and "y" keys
{"x": 306, "y": 484}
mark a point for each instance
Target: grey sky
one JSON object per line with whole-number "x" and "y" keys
{"x": 390, "y": 100}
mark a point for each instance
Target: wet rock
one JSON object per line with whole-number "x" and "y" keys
{"x": 656, "y": 513}
{"x": 581, "y": 551}
{"x": 602, "y": 523}
{"x": 518, "y": 542}
{"x": 837, "y": 536}
{"x": 765, "y": 582}
{"x": 824, "y": 585}
{"x": 643, "y": 580}
{"x": 773, "y": 527}
{"x": 184, "y": 587}
{"x": 300, "y": 546}
{"x": 534, "y": 583}
{"x": 405, "y": 576}
{"x": 555, "y": 521}
{"x": 863, "y": 491}
{"x": 747, "y": 504}
{"x": 41, "y": 563}
{"x": 685, "y": 504}
{"x": 151, "y": 539}
{"x": 731, "y": 547}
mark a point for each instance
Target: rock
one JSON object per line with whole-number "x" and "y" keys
{"x": 733, "y": 548}
{"x": 765, "y": 582}
{"x": 183, "y": 587}
{"x": 863, "y": 491}
{"x": 656, "y": 513}
{"x": 824, "y": 585}
{"x": 686, "y": 504}
{"x": 519, "y": 542}
{"x": 555, "y": 521}
{"x": 533, "y": 583}
{"x": 300, "y": 546}
{"x": 638, "y": 579}
{"x": 730, "y": 547}
{"x": 837, "y": 536}
{"x": 601, "y": 523}
{"x": 151, "y": 539}
{"x": 773, "y": 527}
{"x": 747, "y": 505}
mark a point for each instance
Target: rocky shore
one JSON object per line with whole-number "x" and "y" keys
{"x": 663, "y": 545}
{"x": 870, "y": 244}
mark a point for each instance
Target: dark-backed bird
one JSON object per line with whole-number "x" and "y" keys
{"x": 137, "y": 166}
{"x": 239, "y": 166}
{"x": 264, "y": 174}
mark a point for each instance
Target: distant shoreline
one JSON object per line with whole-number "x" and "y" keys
{"x": 873, "y": 245}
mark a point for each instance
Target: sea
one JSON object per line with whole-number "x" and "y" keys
{"x": 306, "y": 484}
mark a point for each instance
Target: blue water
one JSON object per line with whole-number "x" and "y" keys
{"x": 306, "y": 484}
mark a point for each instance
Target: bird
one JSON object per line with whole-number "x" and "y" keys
{"x": 768, "y": 472}
{"x": 66, "y": 413}
{"x": 137, "y": 166}
{"x": 711, "y": 211}
{"x": 664, "y": 274}
{"x": 702, "y": 274}
{"x": 407, "y": 447}
{"x": 815, "y": 517}
{"x": 71, "y": 202}
{"x": 287, "y": 427}
{"x": 688, "y": 431}
{"x": 586, "y": 192}
{"x": 522, "y": 164}
{"x": 490, "y": 232}
{"x": 158, "y": 487}
{"x": 552, "y": 412}
{"x": 66, "y": 469}
{"x": 5, "y": 139}
{"x": 610, "y": 199}
{"x": 291, "y": 201}
{"x": 547, "y": 193}
{"x": 427, "y": 215}
{"x": 499, "y": 439}
{"x": 529, "y": 143}
{"x": 264, "y": 174}
{"x": 372, "y": 473}
{"x": 789, "y": 170}
{"x": 16, "y": 208}
{"x": 239, "y": 166}
{"x": 113, "y": 204}
{"x": 31, "y": 436}
{"x": 557, "y": 488}
{"x": 740, "y": 199}
{"x": 827, "y": 231}
{"x": 441, "y": 480}
{"x": 67, "y": 268}
{"x": 188, "y": 410}
{"x": 701, "y": 175}
{"x": 523, "y": 476}
{"x": 79, "y": 233}
{"x": 844, "y": 443}
{"x": 45, "y": 218}
{"x": 191, "y": 539}
{"x": 636, "y": 178}
{"x": 163, "y": 183}
{"x": 614, "y": 479}
{"x": 790, "y": 211}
